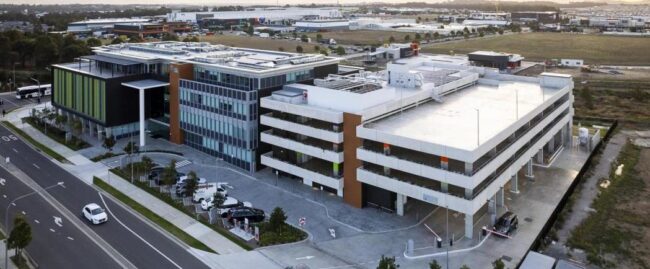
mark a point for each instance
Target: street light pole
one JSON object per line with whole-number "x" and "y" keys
{"x": 7, "y": 218}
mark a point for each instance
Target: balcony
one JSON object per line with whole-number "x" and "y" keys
{"x": 307, "y": 145}
{"x": 314, "y": 170}
{"x": 314, "y": 130}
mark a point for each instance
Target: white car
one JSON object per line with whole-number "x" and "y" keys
{"x": 94, "y": 213}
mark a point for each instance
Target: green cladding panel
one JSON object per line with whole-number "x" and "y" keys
{"x": 80, "y": 93}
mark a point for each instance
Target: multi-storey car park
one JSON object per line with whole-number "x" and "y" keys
{"x": 431, "y": 129}
{"x": 205, "y": 96}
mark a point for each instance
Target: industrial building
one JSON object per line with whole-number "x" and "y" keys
{"x": 322, "y": 25}
{"x": 428, "y": 129}
{"x": 201, "y": 95}
{"x": 99, "y": 26}
{"x": 536, "y": 16}
{"x": 151, "y": 28}
{"x": 271, "y": 15}
{"x": 500, "y": 60}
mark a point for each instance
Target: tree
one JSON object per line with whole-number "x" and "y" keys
{"x": 218, "y": 199}
{"x": 418, "y": 36}
{"x": 316, "y": 48}
{"x": 281, "y": 49}
{"x": 464, "y": 266}
{"x": 340, "y": 50}
{"x": 93, "y": 42}
{"x": 427, "y": 36}
{"x": 436, "y": 35}
{"x": 147, "y": 164}
{"x": 500, "y": 31}
{"x": 21, "y": 235}
{"x": 136, "y": 39}
{"x": 191, "y": 184}
{"x": 45, "y": 51}
{"x": 387, "y": 263}
{"x": 60, "y": 119}
{"x": 299, "y": 49}
{"x": 109, "y": 142}
{"x": 434, "y": 265}
{"x": 169, "y": 37}
{"x": 304, "y": 38}
{"x": 319, "y": 37}
{"x": 277, "y": 219}
{"x": 585, "y": 94}
{"x": 77, "y": 126}
{"x": 250, "y": 30}
{"x": 169, "y": 174}
{"x": 498, "y": 264}
{"x": 117, "y": 40}
{"x": 407, "y": 38}
{"x": 131, "y": 148}
{"x": 72, "y": 51}
{"x": 324, "y": 52}
{"x": 391, "y": 39}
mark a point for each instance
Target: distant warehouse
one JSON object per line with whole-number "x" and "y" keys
{"x": 322, "y": 25}
{"x": 499, "y": 60}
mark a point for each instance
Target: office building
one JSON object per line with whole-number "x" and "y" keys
{"x": 99, "y": 26}
{"x": 499, "y": 60}
{"x": 428, "y": 129}
{"x": 202, "y": 95}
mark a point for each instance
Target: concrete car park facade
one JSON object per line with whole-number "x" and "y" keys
{"x": 452, "y": 135}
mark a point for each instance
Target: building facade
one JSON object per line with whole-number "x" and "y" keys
{"x": 427, "y": 130}
{"x": 205, "y": 96}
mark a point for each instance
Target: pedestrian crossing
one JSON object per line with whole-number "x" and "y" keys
{"x": 182, "y": 163}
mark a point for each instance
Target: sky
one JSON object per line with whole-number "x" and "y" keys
{"x": 240, "y": 2}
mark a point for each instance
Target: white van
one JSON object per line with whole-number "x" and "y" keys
{"x": 228, "y": 204}
{"x": 207, "y": 190}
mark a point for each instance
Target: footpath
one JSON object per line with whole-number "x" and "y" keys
{"x": 85, "y": 169}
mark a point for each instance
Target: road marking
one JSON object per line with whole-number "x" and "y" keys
{"x": 58, "y": 221}
{"x": 52, "y": 230}
{"x": 24, "y": 213}
{"x": 15, "y": 150}
{"x": 2, "y": 181}
{"x": 134, "y": 233}
{"x": 305, "y": 258}
{"x": 37, "y": 222}
{"x": 4, "y": 196}
{"x": 36, "y": 166}
{"x": 13, "y": 204}
{"x": 70, "y": 238}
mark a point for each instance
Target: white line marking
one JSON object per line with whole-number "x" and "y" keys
{"x": 135, "y": 234}
{"x": 15, "y": 150}
{"x": 52, "y": 230}
{"x": 37, "y": 221}
{"x": 36, "y": 166}
{"x": 2, "y": 181}
{"x": 4, "y": 196}
{"x": 70, "y": 238}
{"x": 24, "y": 213}
{"x": 13, "y": 204}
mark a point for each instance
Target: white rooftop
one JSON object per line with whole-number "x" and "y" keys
{"x": 206, "y": 54}
{"x": 453, "y": 122}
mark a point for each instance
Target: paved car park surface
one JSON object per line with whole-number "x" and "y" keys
{"x": 9, "y": 101}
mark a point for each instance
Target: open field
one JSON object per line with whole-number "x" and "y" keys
{"x": 622, "y": 100}
{"x": 594, "y": 49}
{"x": 258, "y": 43}
{"x": 365, "y": 37}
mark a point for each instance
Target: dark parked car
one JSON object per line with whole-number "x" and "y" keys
{"x": 158, "y": 178}
{"x": 507, "y": 223}
{"x": 155, "y": 172}
{"x": 239, "y": 214}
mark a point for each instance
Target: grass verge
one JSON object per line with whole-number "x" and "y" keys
{"x": 31, "y": 140}
{"x": 608, "y": 230}
{"x": 57, "y": 134}
{"x": 160, "y": 221}
{"x": 167, "y": 199}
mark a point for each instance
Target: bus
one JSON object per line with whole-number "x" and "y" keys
{"x": 33, "y": 91}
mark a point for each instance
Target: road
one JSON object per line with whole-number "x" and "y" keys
{"x": 10, "y": 102}
{"x": 63, "y": 246}
{"x": 140, "y": 243}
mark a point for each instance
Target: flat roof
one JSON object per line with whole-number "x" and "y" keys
{"x": 453, "y": 122}
{"x": 536, "y": 260}
{"x": 145, "y": 84}
{"x": 206, "y": 54}
{"x": 112, "y": 60}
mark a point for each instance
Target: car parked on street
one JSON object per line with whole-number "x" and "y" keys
{"x": 241, "y": 213}
{"x": 94, "y": 213}
{"x": 507, "y": 224}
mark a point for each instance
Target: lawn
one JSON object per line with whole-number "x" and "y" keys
{"x": 594, "y": 49}
{"x": 363, "y": 37}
